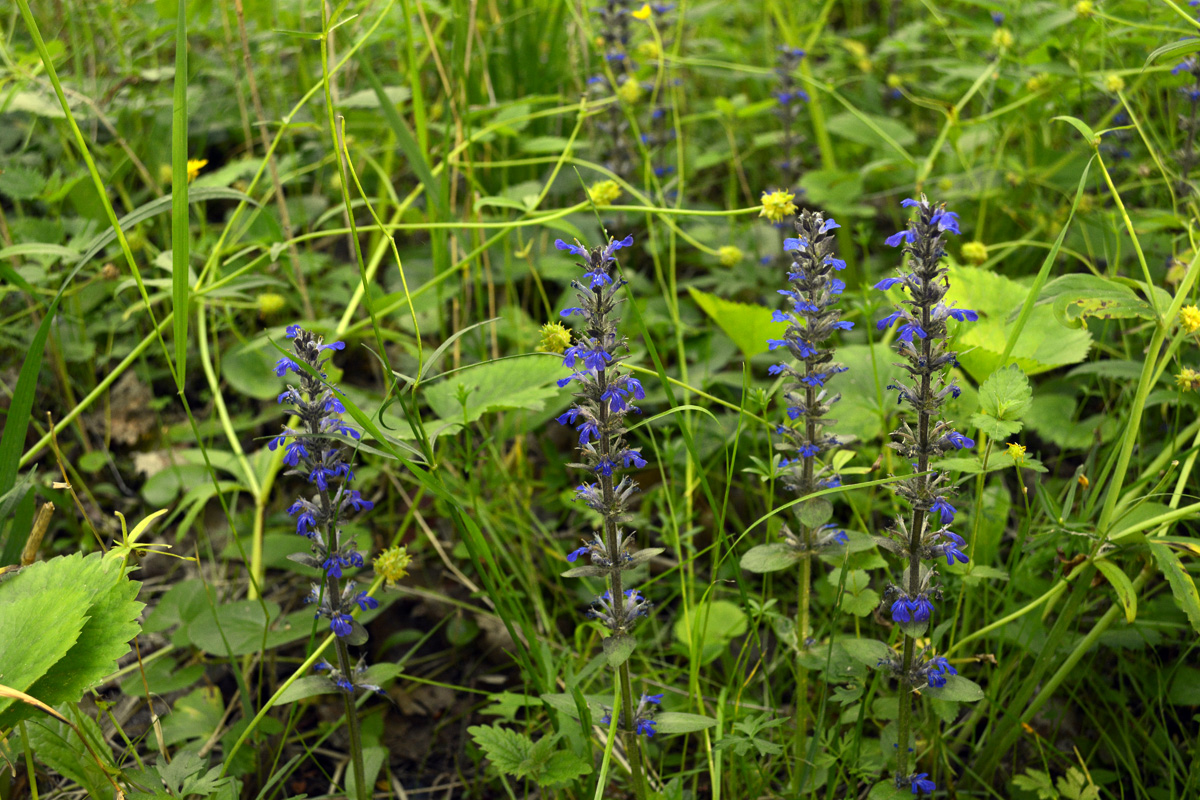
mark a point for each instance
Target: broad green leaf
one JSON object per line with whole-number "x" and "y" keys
{"x": 248, "y": 369}
{"x": 677, "y": 722}
{"x": 236, "y": 629}
{"x": 1182, "y": 584}
{"x": 369, "y": 98}
{"x": 1006, "y": 394}
{"x": 51, "y": 596}
{"x": 709, "y": 627}
{"x": 1123, "y": 586}
{"x": 562, "y": 766}
{"x": 769, "y": 557}
{"x": 162, "y": 677}
{"x": 749, "y": 326}
{"x": 618, "y": 649}
{"x": 871, "y": 129}
{"x": 525, "y": 383}
{"x": 865, "y": 651}
{"x": 21, "y": 183}
{"x": 61, "y": 749}
{"x": 815, "y": 513}
{"x": 1076, "y": 297}
{"x": 373, "y": 758}
{"x": 196, "y": 715}
{"x": 1044, "y": 344}
{"x": 1185, "y": 687}
{"x": 957, "y": 688}
{"x": 997, "y": 429}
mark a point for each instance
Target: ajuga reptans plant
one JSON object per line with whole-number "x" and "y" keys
{"x": 922, "y": 342}
{"x": 790, "y": 98}
{"x": 813, "y": 292}
{"x": 618, "y": 152}
{"x": 1187, "y": 156}
{"x": 606, "y": 394}
{"x": 312, "y": 452}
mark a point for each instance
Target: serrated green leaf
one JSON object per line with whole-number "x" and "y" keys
{"x": 1076, "y": 297}
{"x": 1182, "y": 584}
{"x": 111, "y": 612}
{"x": 562, "y": 766}
{"x": 526, "y": 382}
{"x": 61, "y": 749}
{"x": 505, "y": 748}
{"x": 861, "y": 604}
{"x": 748, "y": 326}
{"x": 678, "y": 722}
{"x": 1006, "y": 394}
{"x": 21, "y": 183}
{"x": 769, "y": 557}
{"x": 997, "y": 429}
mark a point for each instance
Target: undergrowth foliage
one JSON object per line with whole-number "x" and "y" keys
{"x": 764, "y": 505}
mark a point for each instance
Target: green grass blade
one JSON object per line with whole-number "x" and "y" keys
{"x": 179, "y": 196}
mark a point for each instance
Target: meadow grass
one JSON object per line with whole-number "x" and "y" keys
{"x": 181, "y": 182}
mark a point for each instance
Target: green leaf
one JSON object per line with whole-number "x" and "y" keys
{"x": 1185, "y": 687}
{"x": 525, "y": 382}
{"x": 162, "y": 677}
{"x": 860, "y": 604}
{"x": 1006, "y": 394}
{"x": 180, "y": 228}
{"x": 997, "y": 429}
{"x": 618, "y": 649}
{"x": 677, "y": 722}
{"x": 248, "y": 369}
{"x": 21, "y": 183}
{"x": 196, "y": 715}
{"x": 866, "y": 651}
{"x": 815, "y": 513}
{"x": 1080, "y": 126}
{"x": 308, "y": 686}
{"x": 370, "y": 98}
{"x": 1172, "y": 51}
{"x": 562, "y": 766}
{"x": 748, "y": 326}
{"x": 769, "y": 557}
{"x": 1044, "y": 343}
{"x": 871, "y": 129}
{"x": 709, "y": 627}
{"x": 505, "y": 748}
{"x": 1182, "y": 585}
{"x": 1076, "y": 297}
{"x": 373, "y": 758}
{"x": 957, "y": 688}
{"x": 61, "y": 749}
{"x": 236, "y": 629}
{"x": 1121, "y": 584}
{"x": 46, "y": 596}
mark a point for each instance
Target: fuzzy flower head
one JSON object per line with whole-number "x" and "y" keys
{"x": 1016, "y": 452}
{"x": 777, "y": 205}
{"x": 270, "y": 303}
{"x": 1188, "y": 380}
{"x": 974, "y": 252}
{"x": 1084, "y": 9}
{"x": 604, "y": 193}
{"x": 630, "y": 91}
{"x": 1002, "y": 38}
{"x": 556, "y": 338}
{"x": 729, "y": 255}
{"x": 392, "y": 565}
{"x": 1113, "y": 83}
{"x": 1189, "y": 319}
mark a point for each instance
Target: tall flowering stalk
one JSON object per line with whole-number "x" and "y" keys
{"x": 618, "y": 154}
{"x": 922, "y": 320}
{"x": 606, "y": 394}
{"x": 814, "y": 316}
{"x": 1188, "y": 122}
{"x": 313, "y": 452}
{"x": 790, "y": 98}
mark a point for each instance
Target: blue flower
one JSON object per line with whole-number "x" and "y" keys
{"x": 842, "y": 325}
{"x": 645, "y": 727}
{"x": 575, "y": 554}
{"x": 998, "y": 17}
{"x": 777, "y": 369}
{"x": 292, "y": 331}
{"x": 573, "y": 249}
{"x": 588, "y": 430}
{"x": 295, "y": 451}
{"x": 833, "y": 483}
{"x": 943, "y": 509}
{"x": 962, "y": 314}
{"x": 952, "y": 552}
{"x": 836, "y": 263}
{"x": 332, "y": 346}
{"x": 568, "y": 417}
{"x": 781, "y": 316}
{"x": 836, "y": 286}
{"x": 900, "y": 236}
{"x": 814, "y": 379}
{"x": 958, "y": 441}
{"x": 889, "y": 320}
{"x": 901, "y": 610}
{"x": 333, "y": 566}
{"x": 355, "y": 500}
{"x": 910, "y": 329}
{"x": 652, "y": 698}
{"x": 773, "y": 343}
{"x": 617, "y": 244}
{"x": 334, "y": 406}
{"x": 346, "y": 430}
{"x": 922, "y": 784}
{"x": 633, "y": 457}
{"x": 945, "y": 221}
{"x": 908, "y": 202}
{"x": 284, "y": 364}
{"x": 340, "y": 624}
{"x": 795, "y": 244}
{"x": 574, "y": 376}
{"x": 287, "y": 395}
{"x": 598, "y": 278}
{"x": 795, "y": 412}
{"x": 605, "y": 466}
{"x": 887, "y": 283}
{"x": 829, "y": 225}
{"x": 365, "y": 601}
{"x": 921, "y": 608}
{"x": 304, "y": 524}
{"x": 809, "y": 450}
{"x": 566, "y": 312}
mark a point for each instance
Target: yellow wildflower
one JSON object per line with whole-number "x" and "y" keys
{"x": 1038, "y": 82}
{"x": 649, "y": 50}
{"x": 777, "y": 205}
{"x": 392, "y": 564}
{"x": 974, "y": 252}
{"x": 555, "y": 338}
{"x": 1188, "y": 380}
{"x": 270, "y": 304}
{"x": 1113, "y": 83}
{"x": 1189, "y": 318}
{"x": 729, "y": 255}
{"x": 194, "y": 166}
{"x": 1017, "y": 452}
{"x": 894, "y": 81}
{"x": 1085, "y": 8}
{"x": 603, "y": 193}
{"x": 642, "y": 13}
{"x": 630, "y": 91}
{"x": 1002, "y": 38}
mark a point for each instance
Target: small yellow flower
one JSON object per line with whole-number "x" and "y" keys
{"x": 603, "y": 193}
{"x": 1189, "y": 318}
{"x": 1002, "y": 38}
{"x": 630, "y": 91}
{"x": 194, "y": 166}
{"x": 1113, "y": 83}
{"x": 1017, "y": 452}
{"x": 729, "y": 255}
{"x": 1038, "y": 82}
{"x": 649, "y": 50}
{"x": 392, "y": 565}
{"x": 1085, "y": 8}
{"x": 974, "y": 252}
{"x": 642, "y": 13}
{"x": 777, "y": 205}
{"x": 555, "y": 338}
{"x": 894, "y": 81}
{"x": 270, "y": 304}
{"x": 1084, "y": 482}
{"x": 1188, "y": 380}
